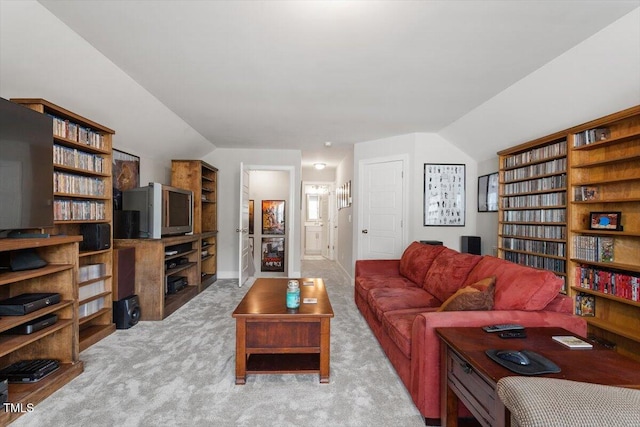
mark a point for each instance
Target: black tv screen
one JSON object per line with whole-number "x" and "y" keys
{"x": 26, "y": 168}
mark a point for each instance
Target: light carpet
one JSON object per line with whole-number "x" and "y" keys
{"x": 181, "y": 372}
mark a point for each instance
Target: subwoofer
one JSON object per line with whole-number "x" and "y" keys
{"x": 126, "y": 312}
{"x": 471, "y": 245}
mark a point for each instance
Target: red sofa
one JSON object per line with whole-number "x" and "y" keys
{"x": 400, "y": 299}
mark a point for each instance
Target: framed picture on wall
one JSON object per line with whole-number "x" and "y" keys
{"x": 125, "y": 171}
{"x": 488, "y": 193}
{"x": 273, "y": 217}
{"x": 444, "y": 194}
{"x": 272, "y": 258}
{"x": 250, "y": 216}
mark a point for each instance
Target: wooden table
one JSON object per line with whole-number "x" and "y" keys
{"x": 470, "y": 376}
{"x": 270, "y": 338}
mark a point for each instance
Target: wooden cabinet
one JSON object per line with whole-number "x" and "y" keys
{"x": 58, "y": 341}
{"x": 532, "y": 214}
{"x": 159, "y": 261}
{"x": 581, "y": 208}
{"x": 82, "y": 155}
{"x": 605, "y": 254}
{"x": 201, "y": 178}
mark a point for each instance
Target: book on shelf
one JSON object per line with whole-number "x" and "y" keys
{"x": 572, "y": 342}
{"x": 590, "y": 136}
{"x": 592, "y": 248}
{"x": 605, "y": 249}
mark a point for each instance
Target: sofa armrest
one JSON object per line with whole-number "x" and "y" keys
{"x": 370, "y": 267}
{"x": 542, "y": 402}
{"x": 425, "y": 343}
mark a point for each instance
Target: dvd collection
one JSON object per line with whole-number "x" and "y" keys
{"x": 74, "y": 210}
{"x": 536, "y": 261}
{"x": 546, "y": 168}
{"x": 585, "y": 193}
{"x": 590, "y": 136}
{"x": 539, "y": 231}
{"x": 536, "y": 215}
{"x": 539, "y": 246}
{"x": 74, "y": 158}
{"x": 548, "y": 151}
{"x": 556, "y": 182}
{"x": 76, "y": 184}
{"x": 593, "y": 248}
{"x": 615, "y": 283}
{"x": 65, "y": 129}
{"x": 550, "y": 199}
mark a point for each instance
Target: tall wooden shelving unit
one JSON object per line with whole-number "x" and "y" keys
{"x": 605, "y": 177}
{"x": 532, "y": 213}
{"x": 201, "y": 178}
{"x": 83, "y": 195}
{"x": 58, "y": 341}
{"x": 601, "y": 174}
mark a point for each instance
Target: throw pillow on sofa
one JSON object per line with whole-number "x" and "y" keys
{"x": 448, "y": 273}
{"x": 417, "y": 259}
{"x": 475, "y": 297}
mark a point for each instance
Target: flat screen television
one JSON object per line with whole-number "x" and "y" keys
{"x": 26, "y": 168}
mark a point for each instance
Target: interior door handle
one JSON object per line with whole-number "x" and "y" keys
{"x": 365, "y": 231}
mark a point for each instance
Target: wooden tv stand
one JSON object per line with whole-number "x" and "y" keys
{"x": 151, "y": 273}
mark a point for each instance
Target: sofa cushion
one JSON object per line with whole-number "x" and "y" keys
{"x": 477, "y": 296}
{"x": 382, "y": 300}
{"x": 398, "y": 325}
{"x": 365, "y": 284}
{"x": 417, "y": 259}
{"x": 448, "y": 273}
{"x": 518, "y": 287}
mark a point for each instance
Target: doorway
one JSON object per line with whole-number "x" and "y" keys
{"x": 318, "y": 220}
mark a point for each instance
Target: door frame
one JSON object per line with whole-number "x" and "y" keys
{"x": 331, "y": 222}
{"x": 404, "y": 158}
{"x": 291, "y": 229}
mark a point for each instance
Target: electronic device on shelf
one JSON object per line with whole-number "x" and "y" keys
{"x": 29, "y": 371}
{"x": 27, "y": 303}
{"x": 34, "y": 325}
{"x": 174, "y": 284}
{"x": 164, "y": 210}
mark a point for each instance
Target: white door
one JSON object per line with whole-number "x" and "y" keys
{"x": 243, "y": 228}
{"x": 382, "y": 210}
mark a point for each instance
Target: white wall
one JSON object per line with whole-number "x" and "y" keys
{"x": 228, "y": 163}
{"x": 344, "y": 255}
{"x": 597, "y": 77}
{"x": 40, "y": 57}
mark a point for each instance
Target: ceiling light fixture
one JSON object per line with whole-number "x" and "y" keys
{"x": 327, "y": 144}
{"x": 319, "y": 166}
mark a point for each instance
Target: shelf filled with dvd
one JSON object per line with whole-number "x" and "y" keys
{"x": 532, "y": 214}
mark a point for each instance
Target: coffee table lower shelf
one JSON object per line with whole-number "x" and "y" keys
{"x": 294, "y": 363}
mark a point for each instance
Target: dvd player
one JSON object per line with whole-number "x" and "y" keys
{"x": 34, "y": 325}
{"x": 27, "y": 303}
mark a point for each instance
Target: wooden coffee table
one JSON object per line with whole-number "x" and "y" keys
{"x": 271, "y": 339}
{"x": 470, "y": 376}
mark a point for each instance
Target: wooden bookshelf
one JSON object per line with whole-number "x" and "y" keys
{"x": 201, "y": 178}
{"x": 532, "y": 212}
{"x": 605, "y": 177}
{"x": 59, "y": 341}
{"x": 83, "y": 195}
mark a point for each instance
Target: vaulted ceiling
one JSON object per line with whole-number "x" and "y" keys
{"x": 295, "y": 74}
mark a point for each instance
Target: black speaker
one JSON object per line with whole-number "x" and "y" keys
{"x": 126, "y": 224}
{"x": 96, "y": 237}
{"x": 471, "y": 245}
{"x": 126, "y": 312}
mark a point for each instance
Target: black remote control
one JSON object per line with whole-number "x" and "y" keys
{"x": 513, "y": 334}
